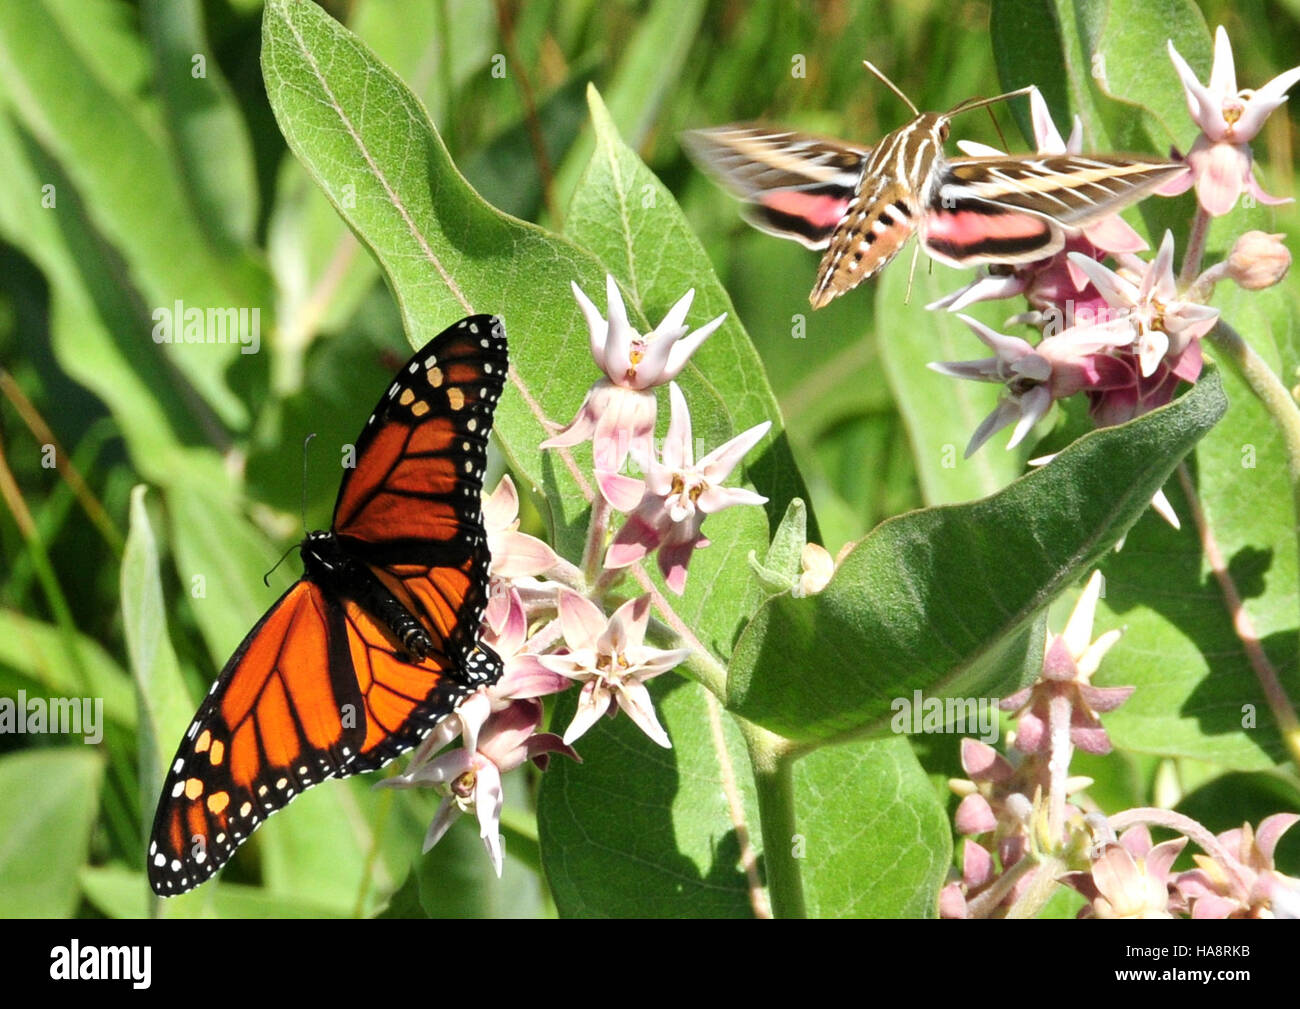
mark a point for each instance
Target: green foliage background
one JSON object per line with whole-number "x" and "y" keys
{"x": 174, "y": 187}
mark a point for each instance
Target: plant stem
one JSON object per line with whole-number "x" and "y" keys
{"x": 773, "y": 762}
{"x": 1282, "y": 408}
{"x": 1195, "y": 248}
{"x": 597, "y": 527}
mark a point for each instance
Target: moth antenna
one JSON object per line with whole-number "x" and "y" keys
{"x": 975, "y": 103}
{"x": 891, "y": 85}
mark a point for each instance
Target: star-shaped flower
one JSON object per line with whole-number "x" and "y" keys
{"x": 516, "y": 556}
{"x": 618, "y": 414}
{"x": 1036, "y": 376}
{"x": 670, "y": 506}
{"x": 1071, "y": 658}
{"x": 470, "y": 779}
{"x": 1129, "y": 879}
{"x": 1163, "y": 323}
{"x": 612, "y": 662}
{"x": 1229, "y": 120}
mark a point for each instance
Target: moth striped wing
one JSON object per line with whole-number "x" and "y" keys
{"x": 795, "y": 185}
{"x": 1015, "y": 210}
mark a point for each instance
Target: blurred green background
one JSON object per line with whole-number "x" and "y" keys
{"x": 169, "y": 186}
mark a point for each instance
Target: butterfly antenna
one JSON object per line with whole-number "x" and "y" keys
{"x": 891, "y": 85}
{"x": 266, "y": 578}
{"x": 306, "y": 442}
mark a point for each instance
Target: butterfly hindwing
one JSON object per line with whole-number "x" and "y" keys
{"x": 284, "y": 714}
{"x": 377, "y": 642}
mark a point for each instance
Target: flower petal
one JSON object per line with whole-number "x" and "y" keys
{"x": 580, "y": 619}
{"x": 597, "y": 327}
{"x": 634, "y": 699}
{"x": 718, "y": 464}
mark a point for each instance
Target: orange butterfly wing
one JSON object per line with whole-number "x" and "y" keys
{"x": 321, "y": 686}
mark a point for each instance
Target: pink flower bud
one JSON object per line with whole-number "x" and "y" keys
{"x": 1258, "y": 260}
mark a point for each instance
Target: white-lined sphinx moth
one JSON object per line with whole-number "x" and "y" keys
{"x": 861, "y": 204}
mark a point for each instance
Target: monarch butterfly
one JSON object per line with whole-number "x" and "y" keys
{"x": 377, "y": 642}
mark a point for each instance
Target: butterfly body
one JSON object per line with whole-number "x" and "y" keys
{"x": 860, "y": 205}
{"x": 377, "y": 642}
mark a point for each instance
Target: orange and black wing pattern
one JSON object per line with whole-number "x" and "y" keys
{"x": 327, "y": 684}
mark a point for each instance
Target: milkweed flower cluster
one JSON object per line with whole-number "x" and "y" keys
{"x": 1023, "y": 813}
{"x": 1128, "y": 334}
{"x": 544, "y": 617}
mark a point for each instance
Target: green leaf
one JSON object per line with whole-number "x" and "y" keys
{"x": 875, "y": 839}
{"x": 940, "y": 600}
{"x": 49, "y": 800}
{"x": 1197, "y": 693}
{"x": 207, "y": 130}
{"x": 779, "y": 570}
{"x": 36, "y": 653}
{"x": 165, "y": 703}
{"x": 640, "y": 831}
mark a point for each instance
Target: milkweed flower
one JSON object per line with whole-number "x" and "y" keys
{"x": 618, "y": 414}
{"x": 1036, "y": 376}
{"x": 1129, "y": 878}
{"x": 1070, "y": 660}
{"x": 1250, "y": 888}
{"x": 470, "y": 780}
{"x": 669, "y": 507}
{"x": 515, "y": 556}
{"x": 1163, "y": 324}
{"x": 1221, "y": 159}
{"x": 612, "y": 662}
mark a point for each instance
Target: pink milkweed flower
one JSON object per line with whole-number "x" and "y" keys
{"x": 1163, "y": 324}
{"x": 670, "y": 506}
{"x": 1229, "y": 119}
{"x": 612, "y": 662}
{"x": 618, "y": 414}
{"x": 470, "y": 780}
{"x": 1037, "y": 376}
{"x": 515, "y": 556}
{"x": 1129, "y": 879}
{"x": 1250, "y": 888}
{"x": 1070, "y": 660}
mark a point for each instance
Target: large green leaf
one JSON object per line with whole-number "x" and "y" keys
{"x": 623, "y": 214}
{"x": 48, "y": 804}
{"x": 113, "y": 153}
{"x": 874, "y": 839}
{"x": 637, "y": 830}
{"x": 165, "y": 703}
{"x": 939, "y": 600}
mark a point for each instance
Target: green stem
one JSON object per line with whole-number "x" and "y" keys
{"x": 773, "y": 759}
{"x": 1282, "y": 408}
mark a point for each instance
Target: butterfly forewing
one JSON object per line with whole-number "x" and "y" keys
{"x": 323, "y": 686}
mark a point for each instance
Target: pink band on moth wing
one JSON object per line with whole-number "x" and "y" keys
{"x": 968, "y": 227}
{"x": 820, "y": 211}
